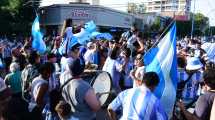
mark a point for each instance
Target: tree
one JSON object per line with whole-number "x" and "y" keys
{"x": 201, "y": 24}
{"x": 136, "y": 8}
{"x": 183, "y": 28}
{"x": 132, "y": 7}
{"x": 210, "y": 31}
{"x": 141, "y": 8}
{"x": 156, "y": 26}
{"x": 15, "y": 17}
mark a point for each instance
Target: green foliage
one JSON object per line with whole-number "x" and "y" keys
{"x": 10, "y": 5}
{"x": 183, "y": 28}
{"x": 136, "y": 8}
{"x": 210, "y": 31}
{"x": 156, "y": 26}
{"x": 201, "y": 24}
{"x": 15, "y": 18}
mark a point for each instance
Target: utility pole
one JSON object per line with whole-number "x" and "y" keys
{"x": 192, "y": 29}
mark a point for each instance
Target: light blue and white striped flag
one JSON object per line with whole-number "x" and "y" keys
{"x": 162, "y": 60}
{"x": 37, "y": 43}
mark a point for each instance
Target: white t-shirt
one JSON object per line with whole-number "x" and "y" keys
{"x": 64, "y": 77}
{"x": 88, "y": 56}
{"x": 139, "y": 74}
{"x": 36, "y": 84}
{"x": 112, "y": 67}
{"x": 64, "y": 63}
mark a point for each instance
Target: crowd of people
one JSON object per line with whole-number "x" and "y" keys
{"x": 50, "y": 86}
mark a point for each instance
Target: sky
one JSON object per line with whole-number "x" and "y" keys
{"x": 207, "y": 7}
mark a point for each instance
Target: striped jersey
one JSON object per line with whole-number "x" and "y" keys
{"x": 182, "y": 75}
{"x": 138, "y": 104}
{"x": 192, "y": 87}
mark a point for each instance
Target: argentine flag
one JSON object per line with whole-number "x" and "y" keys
{"x": 162, "y": 60}
{"x": 37, "y": 43}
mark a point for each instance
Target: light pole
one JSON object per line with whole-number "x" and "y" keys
{"x": 211, "y": 11}
{"x": 193, "y": 19}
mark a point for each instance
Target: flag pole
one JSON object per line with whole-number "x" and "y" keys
{"x": 193, "y": 17}
{"x": 165, "y": 30}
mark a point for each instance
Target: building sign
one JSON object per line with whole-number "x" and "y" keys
{"x": 182, "y": 17}
{"x": 80, "y": 14}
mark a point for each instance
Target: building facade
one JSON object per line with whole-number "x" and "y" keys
{"x": 52, "y": 17}
{"x": 179, "y": 9}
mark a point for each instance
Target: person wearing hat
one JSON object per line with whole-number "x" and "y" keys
{"x": 79, "y": 94}
{"x": 73, "y": 53}
{"x": 139, "y": 103}
{"x": 204, "y": 103}
{"x": 195, "y": 75}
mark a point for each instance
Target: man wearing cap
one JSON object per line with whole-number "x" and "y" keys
{"x": 79, "y": 94}
{"x": 139, "y": 103}
{"x": 204, "y": 103}
{"x": 65, "y": 60}
{"x": 73, "y": 53}
{"x": 193, "y": 67}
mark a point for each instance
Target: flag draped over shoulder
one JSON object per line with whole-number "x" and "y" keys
{"x": 37, "y": 43}
{"x": 162, "y": 60}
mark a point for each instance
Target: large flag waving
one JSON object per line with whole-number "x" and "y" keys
{"x": 37, "y": 43}
{"x": 162, "y": 60}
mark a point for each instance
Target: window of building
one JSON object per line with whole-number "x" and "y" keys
{"x": 157, "y": 2}
{"x": 168, "y": 7}
{"x": 150, "y": 8}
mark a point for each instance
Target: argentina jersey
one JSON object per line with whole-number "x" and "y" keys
{"x": 138, "y": 104}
